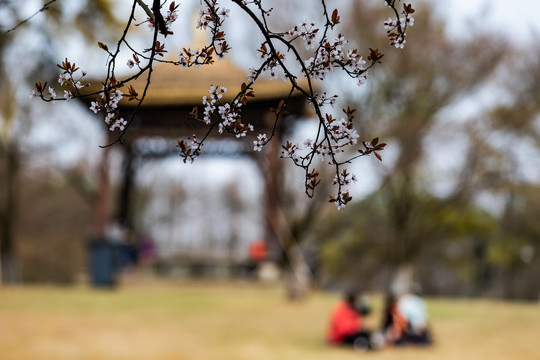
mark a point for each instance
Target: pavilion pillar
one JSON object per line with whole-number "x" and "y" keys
{"x": 125, "y": 210}
{"x": 271, "y": 166}
{"x": 101, "y": 206}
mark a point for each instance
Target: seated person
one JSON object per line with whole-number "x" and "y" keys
{"x": 406, "y": 321}
{"x": 346, "y": 324}
{"x": 394, "y": 324}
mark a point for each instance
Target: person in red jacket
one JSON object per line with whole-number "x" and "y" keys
{"x": 346, "y": 324}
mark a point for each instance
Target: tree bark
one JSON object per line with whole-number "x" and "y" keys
{"x": 8, "y": 258}
{"x": 101, "y": 205}
{"x": 271, "y": 167}
{"x": 125, "y": 211}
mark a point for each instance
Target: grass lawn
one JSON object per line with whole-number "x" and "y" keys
{"x": 236, "y": 322}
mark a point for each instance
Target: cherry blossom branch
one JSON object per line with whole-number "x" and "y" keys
{"x": 125, "y": 126}
{"x": 328, "y": 137}
{"x": 334, "y": 135}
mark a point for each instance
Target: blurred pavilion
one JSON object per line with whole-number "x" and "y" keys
{"x": 164, "y": 117}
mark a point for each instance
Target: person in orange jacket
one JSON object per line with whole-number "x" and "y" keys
{"x": 406, "y": 321}
{"x": 394, "y": 324}
{"x": 346, "y": 324}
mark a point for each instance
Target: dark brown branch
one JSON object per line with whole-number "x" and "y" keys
{"x": 159, "y": 22}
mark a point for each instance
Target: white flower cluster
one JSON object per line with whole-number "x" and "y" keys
{"x": 341, "y": 134}
{"x": 342, "y": 180}
{"x": 271, "y": 64}
{"x": 69, "y": 79}
{"x": 182, "y": 59}
{"x": 341, "y": 199}
{"x": 190, "y": 149}
{"x": 195, "y": 58}
{"x": 109, "y": 103}
{"x": 345, "y": 178}
{"x": 211, "y": 15}
{"x": 324, "y": 99}
{"x": 228, "y": 114}
{"x": 356, "y": 64}
{"x": 114, "y": 121}
{"x": 306, "y": 31}
{"x": 52, "y": 94}
{"x": 170, "y": 17}
{"x": 316, "y": 68}
{"x": 260, "y": 142}
{"x": 68, "y": 95}
{"x": 135, "y": 61}
{"x": 397, "y": 39}
{"x": 293, "y": 152}
{"x": 332, "y": 55}
{"x": 66, "y": 79}
{"x": 216, "y": 93}
{"x": 252, "y": 74}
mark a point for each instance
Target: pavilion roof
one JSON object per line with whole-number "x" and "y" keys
{"x": 172, "y": 85}
{"x": 174, "y": 91}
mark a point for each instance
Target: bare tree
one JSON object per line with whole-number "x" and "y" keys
{"x": 404, "y": 106}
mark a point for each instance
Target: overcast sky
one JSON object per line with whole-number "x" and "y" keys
{"x": 516, "y": 18}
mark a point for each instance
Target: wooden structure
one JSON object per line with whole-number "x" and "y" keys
{"x": 172, "y": 95}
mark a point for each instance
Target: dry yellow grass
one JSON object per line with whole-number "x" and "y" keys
{"x": 236, "y": 322}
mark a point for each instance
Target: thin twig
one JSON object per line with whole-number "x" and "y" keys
{"x": 44, "y": 8}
